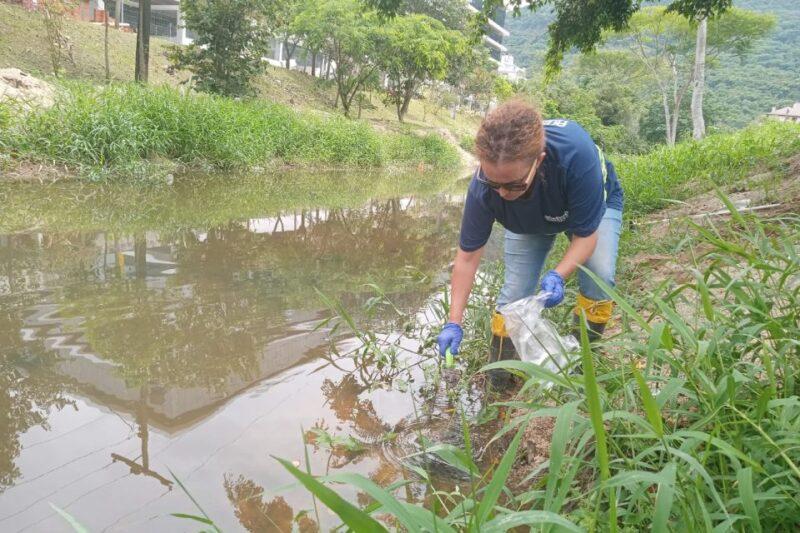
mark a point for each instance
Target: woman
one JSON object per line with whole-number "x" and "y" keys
{"x": 537, "y": 178}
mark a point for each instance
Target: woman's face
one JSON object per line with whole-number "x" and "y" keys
{"x": 513, "y": 172}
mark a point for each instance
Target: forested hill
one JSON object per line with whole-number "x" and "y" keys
{"x": 740, "y": 90}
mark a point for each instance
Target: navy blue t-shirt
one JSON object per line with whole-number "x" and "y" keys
{"x": 572, "y": 188}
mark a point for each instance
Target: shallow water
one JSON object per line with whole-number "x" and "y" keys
{"x": 176, "y": 330}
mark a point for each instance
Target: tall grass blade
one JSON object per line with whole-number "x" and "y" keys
{"x": 529, "y": 369}
{"x": 664, "y": 499}
{"x": 510, "y": 521}
{"x": 351, "y": 515}
{"x": 705, "y": 297}
{"x": 558, "y": 448}
{"x": 492, "y": 491}
{"x": 73, "y": 523}
{"x": 651, "y": 409}
{"x": 744, "y": 478}
{"x": 404, "y": 514}
{"x": 596, "y": 417}
{"x": 196, "y": 504}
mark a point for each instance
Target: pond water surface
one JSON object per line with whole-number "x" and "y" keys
{"x": 175, "y": 329}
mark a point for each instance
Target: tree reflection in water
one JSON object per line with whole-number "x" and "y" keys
{"x": 191, "y": 314}
{"x": 30, "y": 388}
{"x": 259, "y": 516}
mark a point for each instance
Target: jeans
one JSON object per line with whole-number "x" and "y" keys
{"x": 525, "y": 256}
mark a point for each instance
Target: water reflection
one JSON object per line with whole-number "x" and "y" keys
{"x": 161, "y": 329}
{"x": 259, "y": 516}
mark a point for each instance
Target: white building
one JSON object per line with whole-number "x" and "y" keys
{"x": 508, "y": 69}
{"x": 786, "y": 114}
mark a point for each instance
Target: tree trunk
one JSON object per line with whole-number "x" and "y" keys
{"x": 667, "y": 120}
{"x": 402, "y": 107}
{"x": 698, "y": 122}
{"x": 140, "y": 254}
{"x": 117, "y": 14}
{"x": 287, "y": 53}
{"x": 313, "y": 64}
{"x": 105, "y": 47}
{"x": 143, "y": 42}
{"x": 327, "y": 68}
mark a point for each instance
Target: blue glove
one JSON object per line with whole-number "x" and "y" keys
{"x": 553, "y": 286}
{"x": 450, "y": 337}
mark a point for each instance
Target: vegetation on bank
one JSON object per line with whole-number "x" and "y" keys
{"x": 688, "y": 416}
{"x": 115, "y": 128}
{"x": 651, "y": 180}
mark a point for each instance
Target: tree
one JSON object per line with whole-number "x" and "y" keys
{"x": 413, "y": 49}
{"x": 105, "y": 45}
{"x": 231, "y": 39}
{"x": 578, "y": 23}
{"x": 466, "y": 64}
{"x": 307, "y": 29}
{"x": 502, "y": 88}
{"x": 348, "y": 36}
{"x": 736, "y": 31}
{"x": 698, "y": 122}
{"x": 143, "y": 42}
{"x": 282, "y": 14}
{"x": 58, "y": 43}
{"x": 619, "y": 83}
{"x": 665, "y": 43}
{"x": 452, "y": 13}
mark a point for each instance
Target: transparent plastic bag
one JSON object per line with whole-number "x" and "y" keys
{"x": 535, "y": 337}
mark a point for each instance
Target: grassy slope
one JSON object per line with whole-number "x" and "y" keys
{"x": 23, "y": 38}
{"x": 21, "y": 45}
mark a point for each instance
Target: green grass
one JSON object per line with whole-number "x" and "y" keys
{"x": 686, "y": 420}
{"x": 117, "y": 127}
{"x": 691, "y": 167}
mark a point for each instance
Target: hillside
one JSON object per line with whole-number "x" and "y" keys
{"x": 739, "y": 90}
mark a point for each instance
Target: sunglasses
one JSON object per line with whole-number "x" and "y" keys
{"x": 511, "y": 186}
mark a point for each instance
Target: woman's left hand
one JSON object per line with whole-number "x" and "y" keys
{"x": 553, "y": 287}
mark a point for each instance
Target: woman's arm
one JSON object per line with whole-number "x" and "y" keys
{"x": 579, "y": 251}
{"x": 464, "y": 268}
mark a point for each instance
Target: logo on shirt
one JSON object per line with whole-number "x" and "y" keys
{"x": 559, "y": 218}
{"x": 557, "y": 122}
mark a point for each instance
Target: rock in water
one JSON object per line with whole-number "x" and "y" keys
{"x": 27, "y": 91}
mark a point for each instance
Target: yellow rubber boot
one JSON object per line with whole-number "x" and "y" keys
{"x": 502, "y": 349}
{"x": 598, "y": 313}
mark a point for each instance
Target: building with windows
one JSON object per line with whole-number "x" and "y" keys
{"x": 495, "y": 33}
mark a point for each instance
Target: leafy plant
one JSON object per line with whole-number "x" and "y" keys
{"x": 231, "y": 36}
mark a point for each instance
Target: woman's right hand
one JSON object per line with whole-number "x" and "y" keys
{"x": 450, "y": 337}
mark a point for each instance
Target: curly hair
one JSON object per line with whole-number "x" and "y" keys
{"x": 511, "y": 132}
